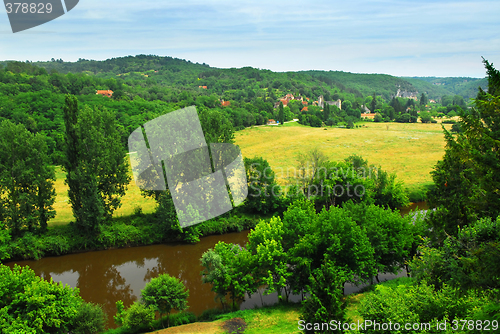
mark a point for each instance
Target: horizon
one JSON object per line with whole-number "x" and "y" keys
{"x": 36, "y": 62}
{"x": 400, "y": 38}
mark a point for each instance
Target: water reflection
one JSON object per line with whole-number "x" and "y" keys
{"x": 105, "y": 277}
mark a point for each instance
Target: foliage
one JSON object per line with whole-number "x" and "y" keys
{"x": 139, "y": 316}
{"x": 388, "y": 232}
{"x": 90, "y": 319}
{"x": 26, "y": 180}
{"x": 419, "y": 304}
{"x": 228, "y": 268}
{"x": 165, "y": 293}
{"x": 325, "y": 302}
{"x": 30, "y": 304}
{"x": 467, "y": 261}
{"x": 336, "y": 237}
{"x": 120, "y": 313}
{"x": 96, "y": 165}
{"x": 265, "y": 243}
{"x": 466, "y": 186}
{"x": 263, "y": 191}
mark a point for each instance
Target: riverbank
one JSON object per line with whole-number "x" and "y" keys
{"x": 131, "y": 231}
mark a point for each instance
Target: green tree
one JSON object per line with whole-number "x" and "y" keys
{"x": 425, "y": 117}
{"x": 96, "y": 164}
{"x": 373, "y": 103}
{"x": 265, "y": 243}
{"x": 466, "y": 186}
{"x": 165, "y": 293}
{"x": 325, "y": 302}
{"x": 264, "y": 194}
{"x": 423, "y": 100}
{"x": 326, "y": 112}
{"x": 139, "y": 317}
{"x": 388, "y": 232}
{"x": 90, "y": 319}
{"x": 336, "y": 237}
{"x": 281, "y": 114}
{"x": 228, "y": 268}
{"x": 26, "y": 179}
{"x": 30, "y": 304}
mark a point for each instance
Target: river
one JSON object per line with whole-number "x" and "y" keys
{"x": 107, "y": 276}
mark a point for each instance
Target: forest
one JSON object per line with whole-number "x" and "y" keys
{"x": 301, "y": 243}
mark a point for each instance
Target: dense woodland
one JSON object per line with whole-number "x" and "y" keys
{"x": 313, "y": 244}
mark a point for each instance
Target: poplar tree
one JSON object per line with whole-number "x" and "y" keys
{"x": 96, "y": 165}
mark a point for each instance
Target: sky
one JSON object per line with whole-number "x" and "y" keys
{"x": 402, "y": 38}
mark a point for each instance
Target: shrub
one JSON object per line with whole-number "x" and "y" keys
{"x": 90, "y": 319}
{"x": 210, "y": 314}
{"x": 182, "y": 318}
{"x": 139, "y": 316}
{"x": 5, "y": 247}
{"x": 419, "y": 303}
{"x": 165, "y": 293}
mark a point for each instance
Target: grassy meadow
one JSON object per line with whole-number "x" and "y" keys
{"x": 408, "y": 149}
{"x": 130, "y": 201}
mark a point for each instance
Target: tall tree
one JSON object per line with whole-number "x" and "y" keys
{"x": 26, "y": 179}
{"x": 467, "y": 179}
{"x": 423, "y": 100}
{"x": 373, "y": 104}
{"x": 96, "y": 165}
{"x": 281, "y": 114}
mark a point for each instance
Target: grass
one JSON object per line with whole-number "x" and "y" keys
{"x": 270, "y": 320}
{"x": 410, "y": 150}
{"x": 130, "y": 201}
{"x": 277, "y": 319}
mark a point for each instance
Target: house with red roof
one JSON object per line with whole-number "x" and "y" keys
{"x": 107, "y": 93}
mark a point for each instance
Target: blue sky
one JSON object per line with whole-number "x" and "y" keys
{"x": 402, "y": 38}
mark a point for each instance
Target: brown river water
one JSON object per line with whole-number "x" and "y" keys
{"x": 107, "y": 276}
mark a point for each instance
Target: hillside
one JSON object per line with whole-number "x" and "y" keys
{"x": 435, "y": 88}
{"x": 146, "y": 86}
{"x": 363, "y": 85}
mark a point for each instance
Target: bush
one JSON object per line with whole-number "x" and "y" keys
{"x": 448, "y": 121}
{"x": 418, "y": 303}
{"x": 90, "y": 319}
{"x": 119, "y": 235}
{"x": 211, "y": 314}
{"x": 378, "y": 118}
{"x": 139, "y": 317}
{"x": 182, "y": 318}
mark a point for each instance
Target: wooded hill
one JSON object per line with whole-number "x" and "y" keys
{"x": 146, "y": 86}
{"x": 435, "y": 88}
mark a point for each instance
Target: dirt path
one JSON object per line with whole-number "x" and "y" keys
{"x": 194, "y": 328}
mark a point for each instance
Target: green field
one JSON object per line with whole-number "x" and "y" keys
{"x": 410, "y": 150}
{"x": 130, "y": 201}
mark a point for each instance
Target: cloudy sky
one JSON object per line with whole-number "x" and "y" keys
{"x": 402, "y": 38}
